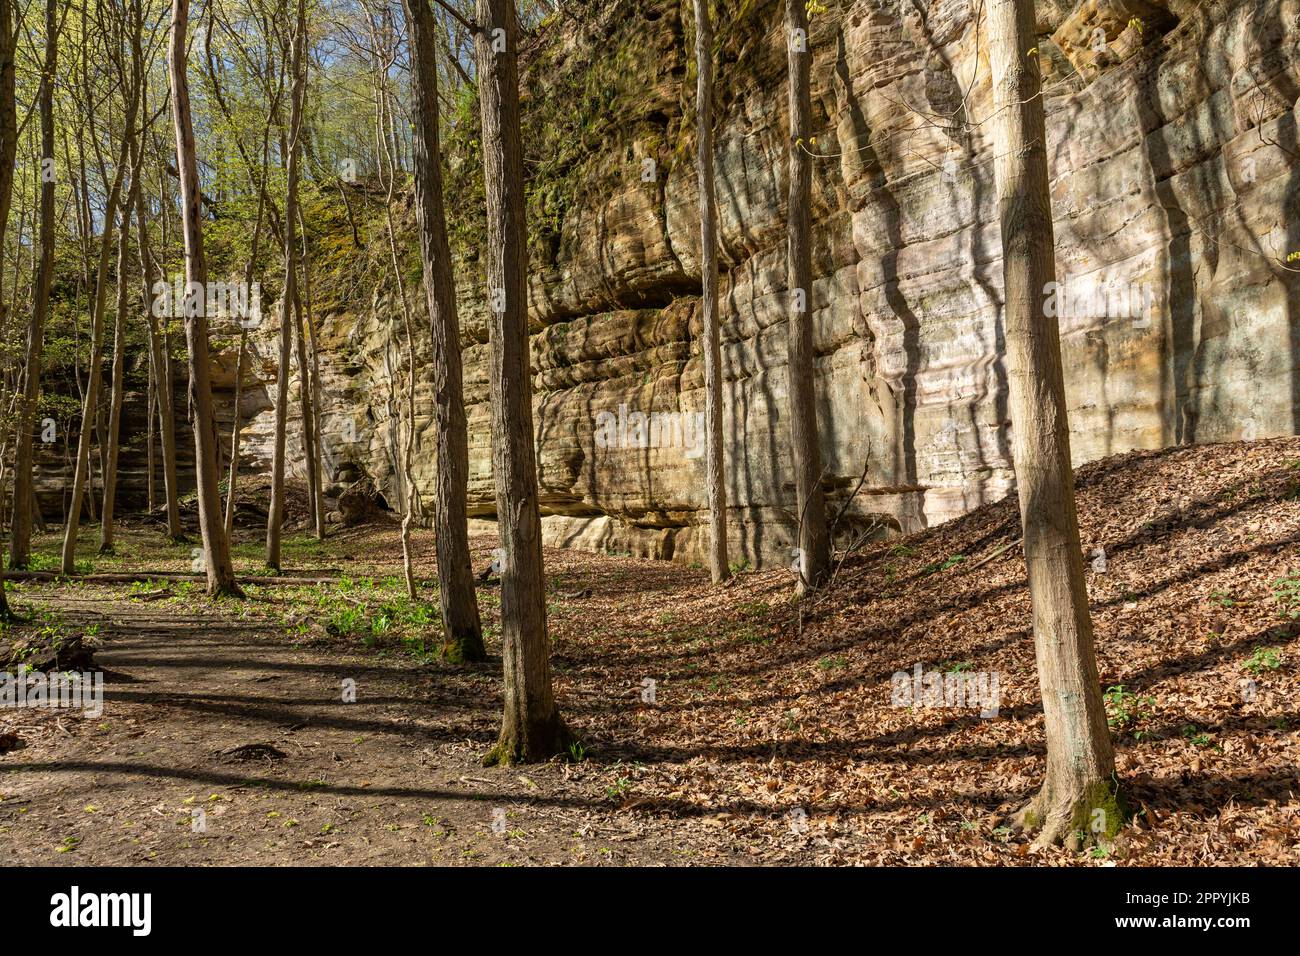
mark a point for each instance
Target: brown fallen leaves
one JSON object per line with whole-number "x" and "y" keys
{"x": 705, "y": 712}
{"x": 794, "y": 740}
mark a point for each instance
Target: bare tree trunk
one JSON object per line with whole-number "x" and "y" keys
{"x": 159, "y": 341}
{"x": 275, "y": 512}
{"x": 119, "y": 368}
{"x": 275, "y": 516}
{"x": 263, "y": 199}
{"x": 101, "y": 450}
{"x": 404, "y": 445}
{"x": 160, "y": 360}
{"x": 36, "y": 511}
{"x": 463, "y": 630}
{"x": 308, "y": 423}
{"x": 531, "y": 727}
{"x": 712, "y": 342}
{"x": 1080, "y": 793}
{"x": 317, "y": 445}
{"x": 216, "y": 547}
{"x": 95, "y": 371}
{"x": 151, "y": 404}
{"x": 233, "y": 475}
{"x": 406, "y": 474}
{"x": 8, "y": 152}
{"x": 814, "y": 557}
{"x": 20, "y": 542}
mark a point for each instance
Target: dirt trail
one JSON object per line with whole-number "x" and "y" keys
{"x": 392, "y": 778}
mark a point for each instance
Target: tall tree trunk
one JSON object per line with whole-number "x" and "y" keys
{"x": 317, "y": 446}
{"x": 463, "y": 630}
{"x": 275, "y": 514}
{"x": 216, "y": 547}
{"x": 308, "y": 423}
{"x": 160, "y": 360}
{"x": 1080, "y": 791}
{"x": 275, "y": 511}
{"x": 814, "y": 557}
{"x": 264, "y": 200}
{"x": 20, "y": 543}
{"x": 8, "y": 130}
{"x": 95, "y": 371}
{"x": 233, "y": 475}
{"x": 712, "y": 343}
{"x": 101, "y": 449}
{"x": 151, "y": 405}
{"x": 119, "y": 367}
{"x": 531, "y": 728}
{"x": 8, "y": 151}
{"x": 404, "y": 446}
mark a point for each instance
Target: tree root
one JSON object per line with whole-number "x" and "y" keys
{"x": 1073, "y": 817}
{"x": 536, "y": 747}
{"x": 463, "y": 648}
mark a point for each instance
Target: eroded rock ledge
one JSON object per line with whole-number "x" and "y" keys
{"x": 1173, "y": 142}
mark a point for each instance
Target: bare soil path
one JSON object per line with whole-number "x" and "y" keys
{"x": 221, "y": 743}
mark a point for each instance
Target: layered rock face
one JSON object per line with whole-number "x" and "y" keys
{"x": 1176, "y": 192}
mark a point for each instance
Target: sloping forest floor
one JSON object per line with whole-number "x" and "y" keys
{"x": 766, "y": 739}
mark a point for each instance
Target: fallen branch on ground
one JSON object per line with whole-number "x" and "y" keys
{"x": 996, "y": 551}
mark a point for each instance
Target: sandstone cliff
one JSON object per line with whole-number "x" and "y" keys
{"x": 1176, "y": 190}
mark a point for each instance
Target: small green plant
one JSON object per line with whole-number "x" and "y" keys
{"x": 1286, "y": 591}
{"x": 1264, "y": 659}
{"x": 950, "y": 562}
{"x": 1223, "y": 599}
{"x": 348, "y": 621}
{"x": 577, "y": 751}
{"x": 37, "y": 561}
{"x": 833, "y": 663}
{"x": 1124, "y": 708}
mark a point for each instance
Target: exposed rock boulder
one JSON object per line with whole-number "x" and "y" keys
{"x": 1103, "y": 33}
